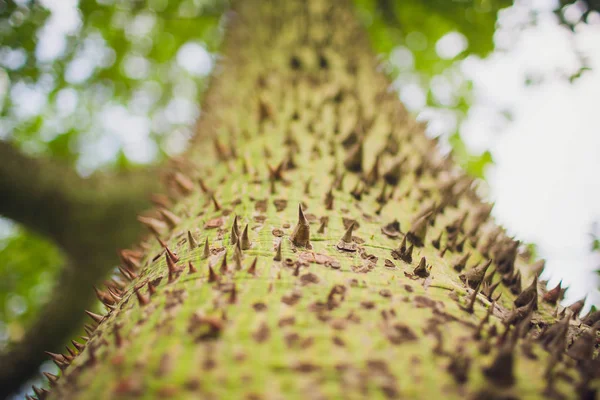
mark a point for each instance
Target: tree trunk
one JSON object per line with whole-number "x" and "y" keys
{"x": 321, "y": 247}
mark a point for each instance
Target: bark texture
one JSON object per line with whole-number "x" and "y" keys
{"x": 323, "y": 248}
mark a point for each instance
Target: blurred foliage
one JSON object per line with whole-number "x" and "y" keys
{"x": 29, "y": 266}
{"x": 112, "y": 83}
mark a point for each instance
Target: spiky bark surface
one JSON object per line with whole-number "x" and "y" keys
{"x": 380, "y": 286}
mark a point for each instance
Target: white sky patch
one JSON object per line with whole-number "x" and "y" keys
{"x": 194, "y": 58}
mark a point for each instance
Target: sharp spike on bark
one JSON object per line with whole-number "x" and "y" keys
{"x": 40, "y": 393}
{"x": 484, "y": 321}
{"x": 129, "y": 275}
{"x": 402, "y": 248}
{"x": 301, "y": 234}
{"x": 170, "y": 265}
{"x": 78, "y": 345}
{"x": 475, "y": 275}
{"x": 529, "y": 294}
{"x": 203, "y": 186}
{"x": 71, "y": 352}
{"x": 56, "y": 356}
{"x": 553, "y": 295}
{"x": 191, "y": 241}
{"x": 272, "y": 188}
{"x": 233, "y": 295}
{"x": 436, "y": 242}
{"x": 170, "y": 218}
{"x": 172, "y": 256}
{"x": 421, "y": 269}
{"x": 329, "y": 200}
{"x": 347, "y": 238}
{"x": 212, "y": 276}
{"x": 278, "y": 252}
{"x": 233, "y": 236}
{"x": 252, "y": 268}
{"x": 373, "y": 175}
{"x": 500, "y": 371}
{"x": 52, "y": 379}
{"x": 470, "y": 307}
{"x": 142, "y": 299}
{"x": 224, "y": 268}
{"x": 322, "y": 227}
{"x": 237, "y": 257}
{"x": 154, "y": 225}
{"x": 353, "y": 161}
{"x": 591, "y": 318}
{"x": 418, "y": 231}
{"x": 215, "y": 202}
{"x": 555, "y": 333}
{"x": 519, "y": 313}
{"x": 577, "y": 307}
{"x": 245, "y": 239}
{"x": 488, "y": 290}
{"x": 97, "y": 318}
{"x": 407, "y": 255}
{"x": 151, "y": 288}
{"x": 191, "y": 268}
{"x": 392, "y": 176}
{"x": 184, "y": 184}
{"x": 206, "y": 251}
{"x": 382, "y": 198}
{"x": 459, "y": 264}
{"x": 114, "y": 295}
{"x": 89, "y": 329}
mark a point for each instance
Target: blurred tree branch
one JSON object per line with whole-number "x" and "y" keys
{"x": 89, "y": 218}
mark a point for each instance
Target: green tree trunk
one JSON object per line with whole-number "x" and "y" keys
{"x": 321, "y": 247}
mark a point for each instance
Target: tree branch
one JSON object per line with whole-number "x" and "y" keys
{"x": 89, "y": 219}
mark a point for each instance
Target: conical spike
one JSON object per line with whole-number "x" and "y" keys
{"x": 191, "y": 268}
{"x": 278, "y": 252}
{"x": 252, "y": 268}
{"x": 501, "y": 370}
{"x": 245, "y": 243}
{"x": 223, "y": 269}
{"x": 392, "y": 176}
{"x": 353, "y": 161}
{"x": 475, "y": 275}
{"x": 171, "y": 219}
{"x": 301, "y": 234}
{"x": 529, "y": 294}
{"x": 407, "y": 255}
{"x": 577, "y": 307}
{"x": 237, "y": 257}
{"x": 553, "y": 295}
{"x": 212, "y": 276}
{"x": 347, "y": 238}
{"x": 233, "y": 238}
{"x": 52, "y": 379}
{"x": 97, "y": 318}
{"x": 78, "y": 345}
{"x": 206, "y": 251}
{"x": 459, "y": 264}
{"x": 418, "y": 231}
{"x": 191, "y": 241}
{"x": 215, "y": 202}
{"x": 329, "y": 200}
{"x": 421, "y": 269}
{"x": 142, "y": 299}
{"x": 583, "y": 347}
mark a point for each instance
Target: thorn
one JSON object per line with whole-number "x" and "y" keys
{"x": 151, "y": 289}
{"x": 347, "y": 238}
{"x": 142, "y": 299}
{"x": 223, "y": 269}
{"x": 382, "y": 198}
{"x": 233, "y": 295}
{"x": 237, "y": 257}
{"x": 460, "y": 264}
{"x": 518, "y": 314}
{"x": 591, "y": 318}
{"x": 471, "y": 304}
{"x": 329, "y": 200}
{"x": 301, "y": 234}
{"x": 215, "y": 202}
{"x": 97, "y": 318}
{"x": 206, "y": 252}
{"x": 392, "y": 176}
{"x": 52, "y": 379}
{"x": 353, "y": 161}
{"x": 421, "y": 269}
{"x": 484, "y": 321}
{"x": 191, "y": 241}
{"x": 529, "y": 294}
{"x": 252, "y": 268}
{"x": 553, "y": 295}
{"x": 154, "y": 225}
{"x": 373, "y": 175}
{"x": 89, "y": 329}
{"x": 184, "y": 184}
{"x": 583, "y": 347}
{"x": 475, "y": 275}
{"x": 436, "y": 242}
{"x": 278, "y": 252}
{"x": 407, "y": 255}
{"x": 203, "y": 186}
{"x": 235, "y": 232}
{"x": 577, "y": 306}
{"x": 171, "y": 219}
{"x": 418, "y": 230}
{"x": 40, "y": 393}
{"x": 245, "y": 240}
{"x": 488, "y": 289}
{"x": 56, "y": 357}
{"x": 78, "y": 345}
{"x": 128, "y": 275}
{"x": 191, "y": 268}
{"x": 212, "y": 276}
{"x": 171, "y": 266}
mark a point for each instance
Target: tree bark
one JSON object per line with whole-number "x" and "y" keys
{"x": 327, "y": 250}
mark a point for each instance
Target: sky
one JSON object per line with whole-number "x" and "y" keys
{"x": 544, "y": 182}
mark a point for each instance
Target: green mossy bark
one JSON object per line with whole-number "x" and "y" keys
{"x": 336, "y": 319}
